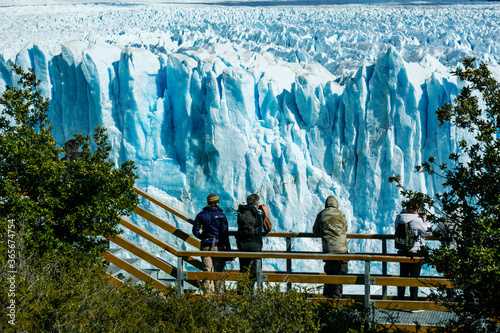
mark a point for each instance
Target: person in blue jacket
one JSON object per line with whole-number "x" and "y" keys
{"x": 214, "y": 237}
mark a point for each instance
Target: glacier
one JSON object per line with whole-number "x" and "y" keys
{"x": 292, "y": 103}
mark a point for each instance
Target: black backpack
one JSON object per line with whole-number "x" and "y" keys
{"x": 404, "y": 239}
{"x": 249, "y": 224}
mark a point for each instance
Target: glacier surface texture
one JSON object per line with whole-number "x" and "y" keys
{"x": 291, "y": 103}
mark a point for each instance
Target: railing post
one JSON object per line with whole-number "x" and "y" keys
{"x": 288, "y": 262}
{"x": 368, "y": 281}
{"x": 180, "y": 276}
{"x": 258, "y": 271}
{"x": 384, "y": 267}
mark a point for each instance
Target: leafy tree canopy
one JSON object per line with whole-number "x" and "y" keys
{"x": 466, "y": 214}
{"x": 65, "y": 203}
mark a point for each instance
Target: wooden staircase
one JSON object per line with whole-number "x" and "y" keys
{"x": 128, "y": 260}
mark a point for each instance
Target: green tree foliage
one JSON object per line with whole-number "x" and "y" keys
{"x": 55, "y": 295}
{"x": 52, "y": 202}
{"x": 468, "y": 211}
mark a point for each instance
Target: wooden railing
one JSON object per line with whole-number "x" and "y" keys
{"x": 367, "y": 279}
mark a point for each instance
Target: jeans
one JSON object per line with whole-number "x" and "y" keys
{"x": 334, "y": 267}
{"x": 409, "y": 270}
{"x": 249, "y": 264}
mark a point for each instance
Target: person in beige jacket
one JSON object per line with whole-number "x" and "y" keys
{"x": 331, "y": 225}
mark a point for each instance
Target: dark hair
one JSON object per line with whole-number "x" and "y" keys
{"x": 412, "y": 205}
{"x": 72, "y": 146}
{"x": 253, "y": 199}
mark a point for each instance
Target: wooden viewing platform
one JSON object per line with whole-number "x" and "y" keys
{"x": 182, "y": 276}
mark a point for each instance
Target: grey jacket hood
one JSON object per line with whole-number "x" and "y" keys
{"x": 418, "y": 225}
{"x": 331, "y": 201}
{"x": 406, "y": 217}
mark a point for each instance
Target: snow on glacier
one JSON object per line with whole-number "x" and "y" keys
{"x": 292, "y": 103}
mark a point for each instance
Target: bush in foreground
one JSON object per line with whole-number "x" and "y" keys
{"x": 67, "y": 292}
{"x": 48, "y": 201}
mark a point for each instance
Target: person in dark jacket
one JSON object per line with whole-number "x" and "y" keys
{"x": 331, "y": 225}
{"x": 253, "y": 219}
{"x": 214, "y": 237}
{"x": 72, "y": 148}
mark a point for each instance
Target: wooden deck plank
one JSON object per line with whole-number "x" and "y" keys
{"x": 303, "y": 256}
{"x": 408, "y": 305}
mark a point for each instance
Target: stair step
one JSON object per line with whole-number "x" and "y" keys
{"x": 115, "y": 250}
{"x": 131, "y": 261}
{"x": 113, "y": 270}
{"x": 150, "y": 271}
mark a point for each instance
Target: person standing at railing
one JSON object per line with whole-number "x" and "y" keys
{"x": 214, "y": 237}
{"x": 419, "y": 227}
{"x": 331, "y": 225}
{"x": 72, "y": 147}
{"x": 252, "y": 219}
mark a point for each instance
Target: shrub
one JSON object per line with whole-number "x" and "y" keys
{"x": 69, "y": 292}
{"x": 353, "y": 317}
{"x": 48, "y": 202}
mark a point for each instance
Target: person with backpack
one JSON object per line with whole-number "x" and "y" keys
{"x": 214, "y": 237}
{"x": 411, "y": 228}
{"x": 331, "y": 225}
{"x": 252, "y": 219}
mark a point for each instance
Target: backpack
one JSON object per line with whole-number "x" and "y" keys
{"x": 404, "y": 239}
{"x": 248, "y": 224}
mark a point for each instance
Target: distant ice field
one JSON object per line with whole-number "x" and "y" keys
{"x": 340, "y": 38}
{"x": 248, "y": 2}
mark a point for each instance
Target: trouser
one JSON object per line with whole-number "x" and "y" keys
{"x": 409, "y": 270}
{"x": 249, "y": 264}
{"x": 334, "y": 267}
{"x": 210, "y": 264}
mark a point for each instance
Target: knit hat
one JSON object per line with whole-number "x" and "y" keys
{"x": 212, "y": 199}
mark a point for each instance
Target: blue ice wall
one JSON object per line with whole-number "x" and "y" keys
{"x": 199, "y": 122}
